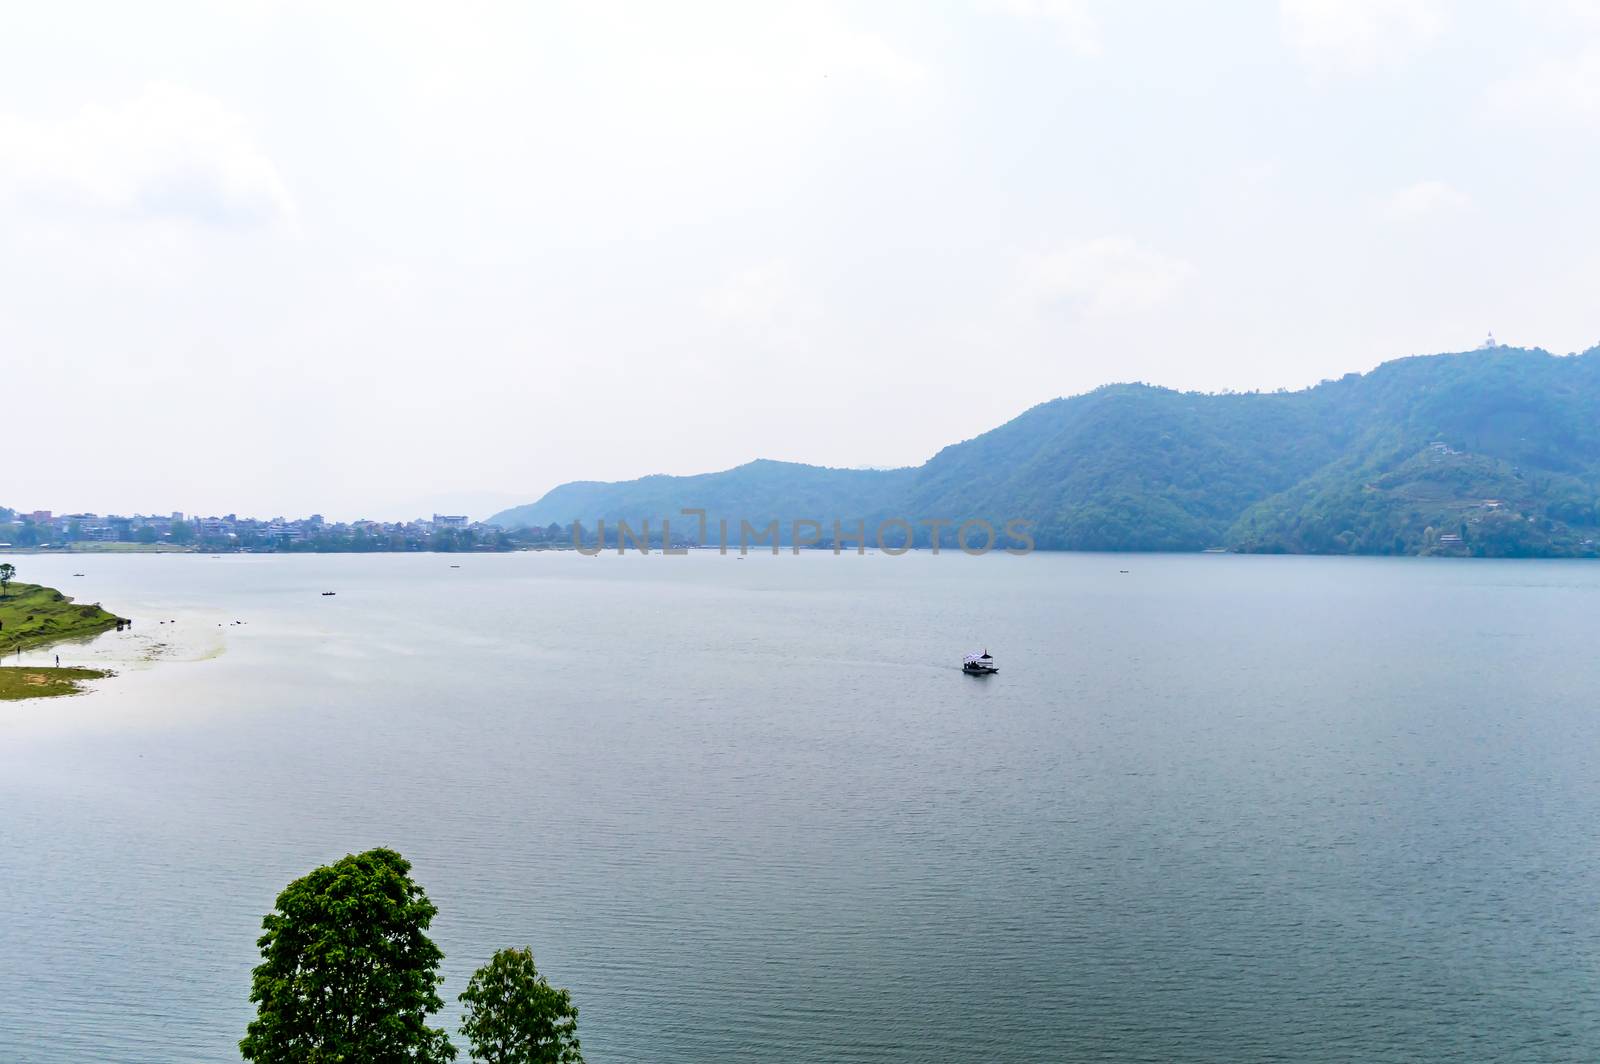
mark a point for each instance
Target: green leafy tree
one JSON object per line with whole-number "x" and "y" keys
{"x": 349, "y": 974}
{"x": 513, "y": 1016}
{"x": 7, "y": 573}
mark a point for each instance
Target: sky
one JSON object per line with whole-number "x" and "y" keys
{"x": 381, "y": 259}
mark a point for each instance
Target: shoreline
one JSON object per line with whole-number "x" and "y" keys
{"x": 784, "y": 548}
{"x": 33, "y": 616}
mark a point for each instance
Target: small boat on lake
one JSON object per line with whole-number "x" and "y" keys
{"x": 979, "y": 664}
{"x": 325, "y": 594}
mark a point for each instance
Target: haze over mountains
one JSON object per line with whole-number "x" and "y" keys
{"x": 1493, "y": 452}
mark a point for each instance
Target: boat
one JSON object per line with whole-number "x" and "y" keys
{"x": 325, "y": 594}
{"x": 979, "y": 664}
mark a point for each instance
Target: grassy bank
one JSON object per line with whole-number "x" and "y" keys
{"x": 33, "y": 616}
{"x": 20, "y": 681}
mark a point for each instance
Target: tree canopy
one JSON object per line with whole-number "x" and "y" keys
{"x": 513, "y": 1016}
{"x": 349, "y": 973}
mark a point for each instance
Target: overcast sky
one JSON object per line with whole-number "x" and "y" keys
{"x": 376, "y": 260}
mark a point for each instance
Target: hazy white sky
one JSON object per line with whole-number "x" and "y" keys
{"x": 377, "y": 259}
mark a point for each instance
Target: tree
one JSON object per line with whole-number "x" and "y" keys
{"x": 349, "y": 973}
{"x": 513, "y": 1016}
{"x": 7, "y": 572}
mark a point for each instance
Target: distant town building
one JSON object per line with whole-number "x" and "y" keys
{"x": 232, "y": 532}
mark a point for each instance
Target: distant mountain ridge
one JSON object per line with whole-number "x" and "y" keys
{"x": 755, "y": 489}
{"x": 1491, "y": 452}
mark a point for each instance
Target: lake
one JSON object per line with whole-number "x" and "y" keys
{"x": 1215, "y": 808}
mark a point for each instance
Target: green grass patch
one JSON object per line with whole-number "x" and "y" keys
{"x": 22, "y": 681}
{"x": 32, "y": 615}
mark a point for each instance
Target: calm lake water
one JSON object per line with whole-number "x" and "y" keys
{"x": 1213, "y": 809}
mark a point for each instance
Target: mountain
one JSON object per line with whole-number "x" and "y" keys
{"x": 1491, "y": 452}
{"x": 761, "y": 489}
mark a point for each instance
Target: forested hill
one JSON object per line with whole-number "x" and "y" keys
{"x": 1493, "y": 452}
{"x": 761, "y": 489}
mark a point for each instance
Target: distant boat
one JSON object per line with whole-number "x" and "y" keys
{"x": 77, "y": 574}
{"x": 979, "y": 664}
{"x": 455, "y": 567}
{"x": 325, "y": 594}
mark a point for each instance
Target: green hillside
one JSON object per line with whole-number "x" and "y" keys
{"x": 1493, "y": 452}
{"x": 1130, "y": 467}
{"x": 758, "y": 491}
{"x": 32, "y": 615}
{"x": 1500, "y": 448}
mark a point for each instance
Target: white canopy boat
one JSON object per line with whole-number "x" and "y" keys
{"x": 979, "y": 664}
